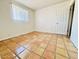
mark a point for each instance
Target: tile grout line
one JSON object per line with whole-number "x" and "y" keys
{"x": 20, "y": 52}
{"x": 72, "y": 42}
{"x": 38, "y": 37}
{"x": 66, "y": 48}
{"x": 27, "y": 42}
{"x": 45, "y": 49}
{"x": 56, "y": 47}
{"x": 12, "y": 51}
{"x": 32, "y": 51}
{"x": 18, "y": 45}
{"x": 74, "y": 45}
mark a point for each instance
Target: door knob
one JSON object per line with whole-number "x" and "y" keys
{"x": 57, "y": 23}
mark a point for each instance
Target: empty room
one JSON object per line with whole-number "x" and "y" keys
{"x": 38, "y": 29}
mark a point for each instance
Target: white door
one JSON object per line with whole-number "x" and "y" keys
{"x": 59, "y": 25}
{"x": 61, "y": 21}
{"x": 52, "y": 20}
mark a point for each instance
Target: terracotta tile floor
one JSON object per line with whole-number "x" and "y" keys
{"x": 37, "y": 45}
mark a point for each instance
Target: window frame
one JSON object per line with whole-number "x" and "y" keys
{"x": 25, "y": 9}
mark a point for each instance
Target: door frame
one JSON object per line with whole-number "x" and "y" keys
{"x": 70, "y": 20}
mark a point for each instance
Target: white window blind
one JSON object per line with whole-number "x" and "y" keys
{"x": 19, "y": 13}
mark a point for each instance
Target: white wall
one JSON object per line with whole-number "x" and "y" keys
{"x": 9, "y": 28}
{"x": 47, "y": 18}
{"x": 74, "y": 33}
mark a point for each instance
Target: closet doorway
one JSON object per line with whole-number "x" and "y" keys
{"x": 70, "y": 21}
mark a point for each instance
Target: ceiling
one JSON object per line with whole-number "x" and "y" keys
{"x": 37, "y": 4}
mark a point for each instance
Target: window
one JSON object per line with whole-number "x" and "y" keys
{"x": 19, "y": 13}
